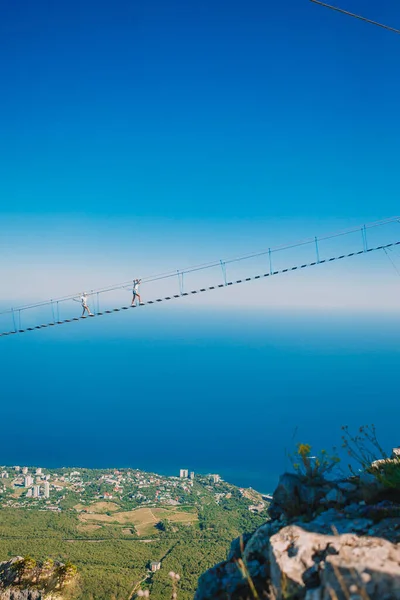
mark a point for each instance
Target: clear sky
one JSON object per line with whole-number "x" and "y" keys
{"x": 143, "y": 136}
{"x": 138, "y": 134}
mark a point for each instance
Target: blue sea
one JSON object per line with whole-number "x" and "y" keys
{"x": 228, "y": 392}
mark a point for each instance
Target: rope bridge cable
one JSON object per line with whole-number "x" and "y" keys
{"x": 193, "y": 269}
{"x": 359, "y": 17}
{"x": 206, "y": 289}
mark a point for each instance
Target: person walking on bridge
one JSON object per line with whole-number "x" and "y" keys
{"x": 135, "y": 291}
{"x": 85, "y": 308}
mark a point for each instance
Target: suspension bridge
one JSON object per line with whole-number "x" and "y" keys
{"x": 316, "y": 251}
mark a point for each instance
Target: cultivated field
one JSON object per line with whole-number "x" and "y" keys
{"x": 98, "y": 507}
{"x": 143, "y": 519}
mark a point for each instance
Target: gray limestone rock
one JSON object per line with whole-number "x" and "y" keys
{"x": 343, "y": 564}
{"x": 349, "y": 551}
{"x": 346, "y": 486}
{"x": 238, "y": 545}
{"x": 368, "y": 567}
{"x": 311, "y": 561}
{"x": 293, "y": 497}
{"x": 334, "y": 496}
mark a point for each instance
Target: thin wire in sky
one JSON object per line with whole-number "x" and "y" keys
{"x": 392, "y": 261}
{"x": 346, "y": 12}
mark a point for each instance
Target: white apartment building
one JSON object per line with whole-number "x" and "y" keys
{"x": 46, "y": 492}
{"x": 28, "y": 481}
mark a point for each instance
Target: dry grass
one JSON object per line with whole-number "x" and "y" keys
{"x": 88, "y": 527}
{"x": 98, "y": 507}
{"x": 122, "y": 517}
{"x": 182, "y": 517}
{"x": 17, "y": 492}
{"x": 144, "y": 519}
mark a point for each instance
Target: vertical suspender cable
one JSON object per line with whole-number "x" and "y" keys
{"x": 223, "y": 267}
{"x": 316, "y": 248}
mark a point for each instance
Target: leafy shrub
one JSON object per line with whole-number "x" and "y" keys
{"x": 364, "y": 447}
{"x": 313, "y": 467}
{"x": 367, "y": 451}
{"x": 388, "y": 473}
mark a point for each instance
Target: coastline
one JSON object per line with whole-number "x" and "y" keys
{"x": 234, "y": 477}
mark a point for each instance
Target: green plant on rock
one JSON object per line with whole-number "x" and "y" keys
{"x": 66, "y": 573}
{"x": 388, "y": 473}
{"x": 29, "y": 563}
{"x": 28, "y": 566}
{"x": 47, "y": 565}
{"x": 364, "y": 448}
{"x": 313, "y": 467}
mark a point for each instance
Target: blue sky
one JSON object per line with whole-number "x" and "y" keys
{"x": 206, "y": 128}
{"x": 145, "y": 136}
{"x": 201, "y": 111}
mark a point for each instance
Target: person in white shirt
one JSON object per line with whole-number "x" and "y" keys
{"x": 135, "y": 291}
{"x": 85, "y": 308}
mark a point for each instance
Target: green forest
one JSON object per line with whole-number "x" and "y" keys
{"x": 112, "y": 563}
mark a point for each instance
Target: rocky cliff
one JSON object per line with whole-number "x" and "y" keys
{"x": 25, "y": 579}
{"x": 326, "y": 540}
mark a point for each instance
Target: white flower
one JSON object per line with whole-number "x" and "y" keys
{"x": 171, "y": 574}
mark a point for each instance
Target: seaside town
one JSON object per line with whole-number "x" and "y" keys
{"x": 124, "y": 531}
{"x": 60, "y": 489}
